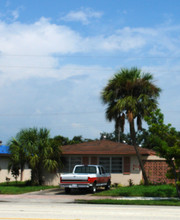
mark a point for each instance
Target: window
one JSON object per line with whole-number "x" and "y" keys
{"x": 69, "y": 163}
{"x": 74, "y": 161}
{"x": 116, "y": 165}
{"x": 105, "y": 162}
{"x": 111, "y": 164}
{"x": 85, "y": 169}
{"x": 103, "y": 171}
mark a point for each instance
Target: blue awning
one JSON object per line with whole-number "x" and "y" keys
{"x": 4, "y": 149}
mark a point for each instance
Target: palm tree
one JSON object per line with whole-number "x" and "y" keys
{"x": 35, "y": 147}
{"x": 133, "y": 94}
{"x": 18, "y": 156}
{"x": 43, "y": 153}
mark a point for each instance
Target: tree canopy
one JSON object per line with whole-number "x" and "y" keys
{"x": 130, "y": 94}
{"x": 165, "y": 140}
{"x": 35, "y": 147}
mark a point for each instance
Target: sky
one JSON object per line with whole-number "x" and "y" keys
{"x": 57, "y": 56}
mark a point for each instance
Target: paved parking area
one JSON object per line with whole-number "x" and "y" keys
{"x": 59, "y": 196}
{"x": 53, "y": 195}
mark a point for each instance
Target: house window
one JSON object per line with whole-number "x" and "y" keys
{"x": 74, "y": 161}
{"x": 105, "y": 162}
{"x": 111, "y": 164}
{"x": 116, "y": 165}
{"x": 70, "y": 162}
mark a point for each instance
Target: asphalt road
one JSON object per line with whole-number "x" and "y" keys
{"x": 57, "y": 205}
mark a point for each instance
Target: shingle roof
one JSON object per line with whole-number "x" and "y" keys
{"x": 4, "y": 149}
{"x": 103, "y": 147}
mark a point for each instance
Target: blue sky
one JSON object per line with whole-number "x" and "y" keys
{"x": 56, "y": 56}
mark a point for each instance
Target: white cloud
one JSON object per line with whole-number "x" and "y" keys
{"x": 44, "y": 70}
{"x": 29, "y": 50}
{"x": 84, "y": 15}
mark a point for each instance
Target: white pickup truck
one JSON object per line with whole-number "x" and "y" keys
{"x": 86, "y": 176}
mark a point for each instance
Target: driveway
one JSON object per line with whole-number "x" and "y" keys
{"x": 52, "y": 195}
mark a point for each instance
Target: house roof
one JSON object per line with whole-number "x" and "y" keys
{"x": 103, "y": 147}
{"x": 4, "y": 150}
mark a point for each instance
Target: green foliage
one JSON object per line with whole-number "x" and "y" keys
{"x": 35, "y": 147}
{"x": 132, "y": 202}
{"x": 62, "y": 141}
{"x": 20, "y": 187}
{"x": 130, "y": 95}
{"x": 165, "y": 140}
{"x": 18, "y": 156}
{"x": 141, "y": 190}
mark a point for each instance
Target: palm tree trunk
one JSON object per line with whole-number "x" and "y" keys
{"x": 118, "y": 134}
{"x": 118, "y": 129}
{"x": 133, "y": 137}
{"x": 22, "y": 174}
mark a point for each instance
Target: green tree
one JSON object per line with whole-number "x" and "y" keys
{"x": 18, "y": 155}
{"x": 165, "y": 140}
{"x": 41, "y": 152}
{"x": 62, "y": 141}
{"x": 77, "y": 139}
{"x": 130, "y": 94}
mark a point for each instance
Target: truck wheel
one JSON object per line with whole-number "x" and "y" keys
{"x": 107, "y": 187}
{"x": 93, "y": 188}
{"x": 67, "y": 190}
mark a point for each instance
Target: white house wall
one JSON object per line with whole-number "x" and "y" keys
{"x": 135, "y": 174}
{"x": 51, "y": 179}
{"x": 5, "y": 174}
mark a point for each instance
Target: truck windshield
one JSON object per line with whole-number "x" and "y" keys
{"x": 85, "y": 169}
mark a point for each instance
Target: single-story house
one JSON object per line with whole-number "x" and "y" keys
{"x": 118, "y": 159}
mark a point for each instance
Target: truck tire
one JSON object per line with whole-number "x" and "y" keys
{"x": 93, "y": 188}
{"x": 107, "y": 187}
{"x": 67, "y": 190}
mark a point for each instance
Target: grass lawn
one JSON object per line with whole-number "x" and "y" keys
{"x": 140, "y": 190}
{"x": 20, "y": 187}
{"x": 132, "y": 202}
